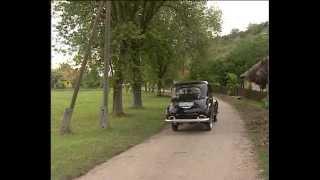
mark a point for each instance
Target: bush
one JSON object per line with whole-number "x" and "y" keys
{"x": 232, "y": 83}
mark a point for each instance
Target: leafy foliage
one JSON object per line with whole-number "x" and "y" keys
{"x": 62, "y": 75}
{"x": 56, "y": 79}
{"x": 65, "y": 74}
{"x": 91, "y": 79}
{"x": 155, "y": 38}
{"x": 232, "y": 83}
{"x": 236, "y": 53}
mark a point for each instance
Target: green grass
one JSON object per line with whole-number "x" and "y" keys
{"x": 255, "y": 117}
{"x": 73, "y": 155}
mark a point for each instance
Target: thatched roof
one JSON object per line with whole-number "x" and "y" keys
{"x": 258, "y": 73}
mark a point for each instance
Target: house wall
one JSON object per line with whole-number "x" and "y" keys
{"x": 255, "y": 87}
{"x": 67, "y": 84}
{"x": 251, "y": 85}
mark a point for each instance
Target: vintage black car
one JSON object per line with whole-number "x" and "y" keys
{"x": 192, "y": 102}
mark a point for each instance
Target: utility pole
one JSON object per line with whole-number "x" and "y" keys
{"x": 104, "y": 123}
{"x": 65, "y": 126}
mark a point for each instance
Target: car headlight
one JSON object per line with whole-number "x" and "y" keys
{"x": 171, "y": 109}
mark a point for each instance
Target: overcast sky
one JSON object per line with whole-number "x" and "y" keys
{"x": 238, "y": 14}
{"x": 235, "y": 14}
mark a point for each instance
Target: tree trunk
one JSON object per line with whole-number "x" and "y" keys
{"x": 118, "y": 81}
{"x": 66, "y": 120}
{"x": 127, "y": 88}
{"x": 137, "y": 76}
{"x": 145, "y": 87}
{"x": 137, "y": 98}
{"x": 104, "y": 123}
{"x": 149, "y": 87}
{"x": 117, "y": 99}
{"x": 65, "y": 125}
{"x": 159, "y": 85}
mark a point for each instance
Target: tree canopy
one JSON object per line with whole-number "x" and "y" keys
{"x": 153, "y": 39}
{"x": 236, "y": 53}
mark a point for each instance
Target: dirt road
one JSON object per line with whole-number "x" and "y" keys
{"x": 225, "y": 153}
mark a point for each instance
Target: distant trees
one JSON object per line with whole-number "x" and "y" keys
{"x": 56, "y": 80}
{"x": 178, "y": 36}
{"x": 65, "y": 76}
{"x": 91, "y": 79}
{"x": 154, "y": 43}
{"x": 234, "y": 32}
{"x": 236, "y": 54}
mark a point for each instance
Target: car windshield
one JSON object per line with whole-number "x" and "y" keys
{"x": 194, "y": 91}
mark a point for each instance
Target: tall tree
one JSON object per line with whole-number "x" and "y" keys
{"x": 197, "y": 26}
{"x": 75, "y": 23}
{"x": 65, "y": 125}
{"x": 104, "y": 109}
{"x": 147, "y": 10}
{"x": 131, "y": 22}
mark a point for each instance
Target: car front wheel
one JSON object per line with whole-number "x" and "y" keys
{"x": 215, "y": 118}
{"x": 209, "y": 125}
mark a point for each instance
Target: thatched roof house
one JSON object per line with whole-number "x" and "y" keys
{"x": 258, "y": 73}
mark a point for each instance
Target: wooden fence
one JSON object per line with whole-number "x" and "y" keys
{"x": 250, "y": 94}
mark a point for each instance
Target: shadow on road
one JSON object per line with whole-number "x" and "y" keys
{"x": 191, "y": 129}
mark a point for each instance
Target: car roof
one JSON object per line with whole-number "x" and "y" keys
{"x": 190, "y": 82}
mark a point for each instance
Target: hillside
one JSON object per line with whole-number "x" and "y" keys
{"x": 231, "y": 55}
{"x": 220, "y": 47}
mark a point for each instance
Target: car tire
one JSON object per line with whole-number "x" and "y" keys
{"x": 215, "y": 119}
{"x": 209, "y": 125}
{"x": 174, "y": 127}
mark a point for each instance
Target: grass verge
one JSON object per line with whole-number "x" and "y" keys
{"x": 255, "y": 117}
{"x": 73, "y": 155}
